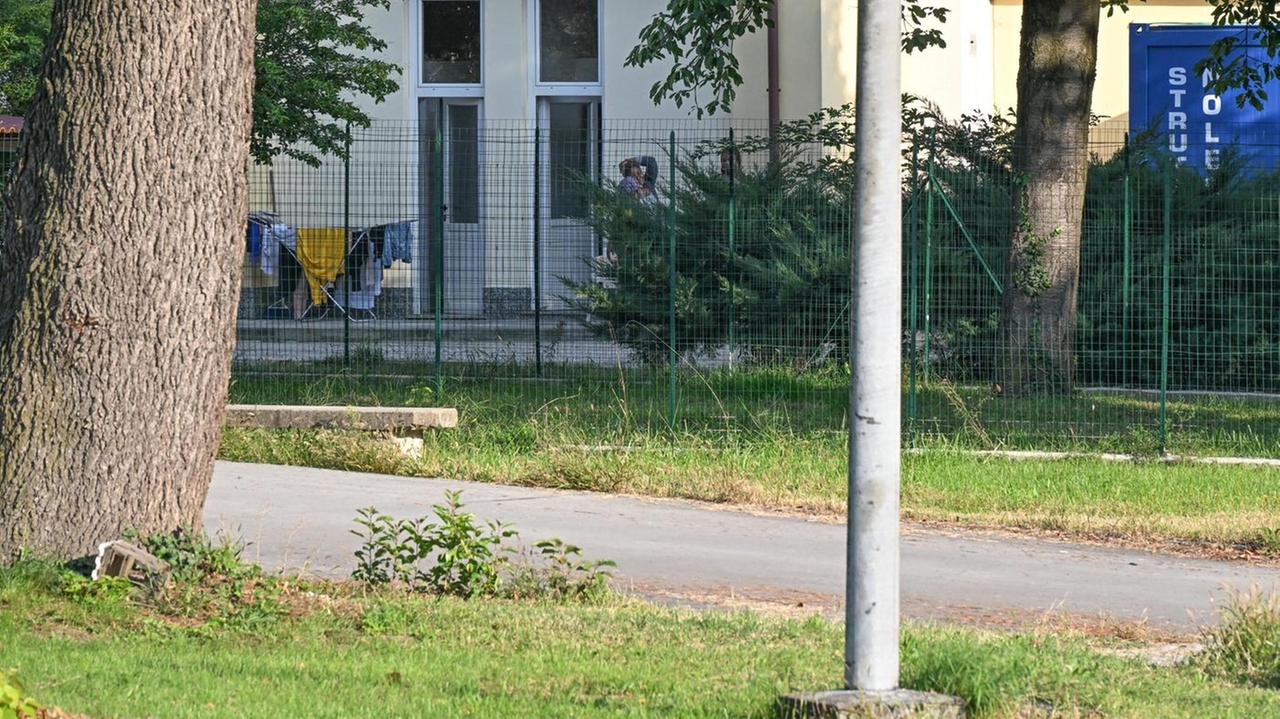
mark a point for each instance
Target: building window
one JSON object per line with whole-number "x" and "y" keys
{"x": 569, "y": 42}
{"x": 571, "y": 149}
{"x": 451, "y": 42}
{"x": 464, "y": 164}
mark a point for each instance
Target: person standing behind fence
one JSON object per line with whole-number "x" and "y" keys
{"x": 632, "y": 178}
{"x": 636, "y": 181}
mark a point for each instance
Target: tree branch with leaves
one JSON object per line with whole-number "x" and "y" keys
{"x": 697, "y": 36}
{"x": 311, "y": 58}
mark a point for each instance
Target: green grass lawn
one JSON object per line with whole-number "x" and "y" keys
{"x": 614, "y": 406}
{"x": 786, "y": 461}
{"x": 326, "y": 650}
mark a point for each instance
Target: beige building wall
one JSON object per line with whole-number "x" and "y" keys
{"x": 957, "y": 78}
{"x": 1111, "y": 89}
{"x": 801, "y": 47}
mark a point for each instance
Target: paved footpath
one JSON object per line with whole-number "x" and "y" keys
{"x": 299, "y": 519}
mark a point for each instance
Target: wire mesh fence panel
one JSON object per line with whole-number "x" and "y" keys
{"x": 1171, "y": 339}
{"x": 8, "y": 155}
{"x": 635, "y": 280}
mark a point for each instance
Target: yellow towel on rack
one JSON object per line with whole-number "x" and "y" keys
{"x": 321, "y": 251}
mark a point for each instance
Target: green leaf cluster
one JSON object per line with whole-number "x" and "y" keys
{"x": 211, "y": 581}
{"x": 1228, "y": 67}
{"x": 24, "y": 26}
{"x": 15, "y": 703}
{"x": 311, "y": 58}
{"x": 697, "y": 36}
{"x": 457, "y": 554}
{"x": 1223, "y": 273}
{"x": 1224, "y": 330}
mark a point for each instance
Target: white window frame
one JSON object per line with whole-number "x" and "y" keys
{"x": 415, "y": 64}
{"x": 576, "y": 89}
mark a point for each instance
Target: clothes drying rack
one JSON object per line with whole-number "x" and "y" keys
{"x": 334, "y": 293}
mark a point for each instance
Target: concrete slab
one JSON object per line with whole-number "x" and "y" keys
{"x": 395, "y": 419}
{"x": 850, "y": 704}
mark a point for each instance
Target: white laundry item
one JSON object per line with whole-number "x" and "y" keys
{"x": 272, "y": 237}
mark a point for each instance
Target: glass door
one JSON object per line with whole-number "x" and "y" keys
{"x": 453, "y": 231}
{"x": 571, "y": 162}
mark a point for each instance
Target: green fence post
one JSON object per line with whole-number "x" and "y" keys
{"x": 346, "y": 246}
{"x": 1165, "y": 302}
{"x": 537, "y": 249}
{"x": 437, "y": 260}
{"x": 672, "y": 356}
{"x": 733, "y": 171}
{"x": 913, "y": 278}
{"x": 928, "y": 249}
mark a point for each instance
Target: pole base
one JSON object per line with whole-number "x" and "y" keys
{"x": 853, "y": 704}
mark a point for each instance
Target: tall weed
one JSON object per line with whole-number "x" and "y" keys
{"x": 1245, "y": 646}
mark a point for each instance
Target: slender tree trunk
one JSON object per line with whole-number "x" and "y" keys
{"x": 120, "y": 267}
{"x": 1056, "y": 70}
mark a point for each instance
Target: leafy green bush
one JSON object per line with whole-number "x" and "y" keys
{"x": 783, "y": 277}
{"x": 781, "y": 288}
{"x": 1224, "y": 276}
{"x": 106, "y": 590}
{"x": 1224, "y": 327}
{"x": 466, "y": 556}
{"x": 556, "y": 570}
{"x": 461, "y": 556}
{"x": 191, "y": 555}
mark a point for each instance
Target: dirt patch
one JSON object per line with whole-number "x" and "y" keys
{"x": 1189, "y": 548}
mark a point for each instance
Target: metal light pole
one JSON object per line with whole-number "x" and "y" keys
{"x": 871, "y": 611}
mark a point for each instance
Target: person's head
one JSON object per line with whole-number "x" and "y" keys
{"x": 628, "y": 167}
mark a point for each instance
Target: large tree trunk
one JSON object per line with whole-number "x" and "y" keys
{"x": 1056, "y": 70}
{"x": 119, "y": 271}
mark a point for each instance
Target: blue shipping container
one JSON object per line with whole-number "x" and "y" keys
{"x": 1194, "y": 124}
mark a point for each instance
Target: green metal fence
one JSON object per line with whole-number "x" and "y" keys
{"x": 716, "y": 299}
{"x": 8, "y": 155}
{"x": 508, "y": 270}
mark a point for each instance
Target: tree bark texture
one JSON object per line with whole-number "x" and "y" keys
{"x": 1056, "y": 69}
{"x": 120, "y": 269}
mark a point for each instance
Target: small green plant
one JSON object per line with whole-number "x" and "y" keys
{"x": 15, "y": 702}
{"x": 466, "y": 555}
{"x": 1245, "y": 646}
{"x": 556, "y": 570}
{"x": 28, "y": 574}
{"x": 104, "y": 590}
{"x": 383, "y": 556}
{"x": 210, "y": 581}
{"x": 471, "y": 555}
{"x": 191, "y": 555}
{"x": 386, "y": 618}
